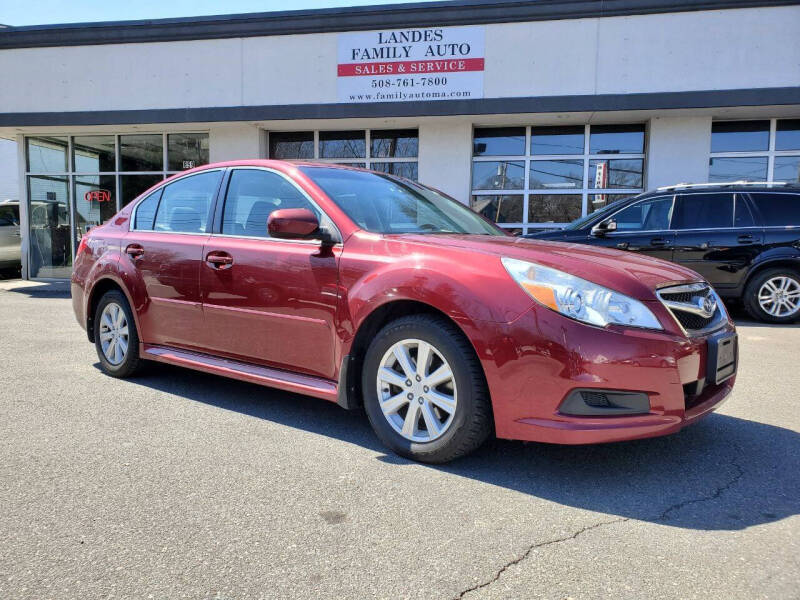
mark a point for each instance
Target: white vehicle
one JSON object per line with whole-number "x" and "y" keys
{"x": 10, "y": 239}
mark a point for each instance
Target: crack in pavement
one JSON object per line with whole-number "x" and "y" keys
{"x": 664, "y": 516}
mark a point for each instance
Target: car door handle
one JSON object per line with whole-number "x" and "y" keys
{"x": 134, "y": 250}
{"x": 623, "y": 245}
{"x": 745, "y": 239}
{"x": 218, "y": 259}
{"x": 660, "y": 242}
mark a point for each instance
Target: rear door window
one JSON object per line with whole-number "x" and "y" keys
{"x": 778, "y": 210}
{"x": 185, "y": 204}
{"x": 742, "y": 215}
{"x": 703, "y": 211}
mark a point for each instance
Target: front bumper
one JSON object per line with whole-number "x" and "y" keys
{"x": 535, "y": 362}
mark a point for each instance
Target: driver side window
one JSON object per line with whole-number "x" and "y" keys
{"x": 252, "y": 196}
{"x": 649, "y": 215}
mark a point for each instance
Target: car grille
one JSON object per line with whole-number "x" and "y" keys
{"x": 695, "y": 306}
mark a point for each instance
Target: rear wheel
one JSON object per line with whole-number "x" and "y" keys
{"x": 424, "y": 390}
{"x": 774, "y": 296}
{"x": 115, "y": 335}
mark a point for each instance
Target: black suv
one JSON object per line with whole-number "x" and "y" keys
{"x": 743, "y": 238}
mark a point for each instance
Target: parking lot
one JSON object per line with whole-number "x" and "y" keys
{"x": 178, "y": 484}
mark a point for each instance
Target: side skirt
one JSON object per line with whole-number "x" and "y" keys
{"x": 274, "y": 378}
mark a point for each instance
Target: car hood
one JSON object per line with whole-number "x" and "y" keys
{"x": 632, "y": 274}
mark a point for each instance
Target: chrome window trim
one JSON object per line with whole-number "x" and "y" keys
{"x": 161, "y": 187}
{"x": 296, "y": 186}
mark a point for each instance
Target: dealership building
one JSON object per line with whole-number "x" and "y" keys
{"x": 533, "y": 113}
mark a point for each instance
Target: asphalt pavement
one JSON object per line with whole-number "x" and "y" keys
{"x": 178, "y": 484}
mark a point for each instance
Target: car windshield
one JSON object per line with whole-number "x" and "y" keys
{"x": 385, "y": 204}
{"x": 598, "y": 214}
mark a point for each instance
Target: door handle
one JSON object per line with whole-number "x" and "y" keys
{"x": 134, "y": 250}
{"x": 745, "y": 239}
{"x": 623, "y": 245}
{"x": 659, "y": 242}
{"x": 219, "y": 260}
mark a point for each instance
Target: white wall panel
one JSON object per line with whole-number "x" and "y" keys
{"x": 677, "y": 150}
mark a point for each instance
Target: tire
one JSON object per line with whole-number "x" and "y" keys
{"x": 451, "y": 417}
{"x": 117, "y": 364}
{"x": 758, "y": 288}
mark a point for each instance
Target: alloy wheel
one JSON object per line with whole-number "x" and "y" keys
{"x": 780, "y": 296}
{"x": 416, "y": 390}
{"x": 114, "y": 333}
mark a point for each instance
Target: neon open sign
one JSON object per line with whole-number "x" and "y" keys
{"x": 97, "y": 196}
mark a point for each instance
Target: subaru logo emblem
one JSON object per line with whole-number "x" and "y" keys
{"x": 709, "y": 305}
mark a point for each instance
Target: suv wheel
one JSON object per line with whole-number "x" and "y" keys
{"x": 774, "y": 296}
{"x": 424, "y": 390}
{"x": 115, "y": 335}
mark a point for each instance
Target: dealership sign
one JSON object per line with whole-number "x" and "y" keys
{"x": 402, "y": 65}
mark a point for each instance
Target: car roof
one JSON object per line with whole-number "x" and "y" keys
{"x": 732, "y": 186}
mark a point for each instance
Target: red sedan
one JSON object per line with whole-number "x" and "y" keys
{"x": 369, "y": 290}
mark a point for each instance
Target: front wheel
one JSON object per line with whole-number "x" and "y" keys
{"x": 424, "y": 390}
{"x": 115, "y": 335}
{"x": 774, "y": 296}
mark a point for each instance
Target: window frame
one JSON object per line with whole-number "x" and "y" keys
{"x": 528, "y": 158}
{"x": 770, "y": 153}
{"x": 367, "y": 160}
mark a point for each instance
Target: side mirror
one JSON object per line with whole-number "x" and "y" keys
{"x": 292, "y": 223}
{"x": 604, "y": 227}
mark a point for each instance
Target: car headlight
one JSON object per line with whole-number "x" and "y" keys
{"x": 577, "y": 298}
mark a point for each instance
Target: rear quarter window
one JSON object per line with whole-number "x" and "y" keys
{"x": 778, "y": 209}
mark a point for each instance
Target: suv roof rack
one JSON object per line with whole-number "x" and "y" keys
{"x": 721, "y": 184}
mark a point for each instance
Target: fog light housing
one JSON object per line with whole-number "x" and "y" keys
{"x": 599, "y": 403}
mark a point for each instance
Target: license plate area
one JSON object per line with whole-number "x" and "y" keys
{"x": 723, "y": 355}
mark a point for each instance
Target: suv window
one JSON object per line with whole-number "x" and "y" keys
{"x": 146, "y": 211}
{"x": 185, "y": 204}
{"x": 652, "y": 214}
{"x": 252, "y": 196}
{"x": 778, "y": 209}
{"x": 703, "y": 211}
{"x": 9, "y": 215}
{"x": 742, "y": 215}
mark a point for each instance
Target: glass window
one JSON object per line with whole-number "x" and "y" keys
{"x": 9, "y": 215}
{"x": 131, "y": 186}
{"x": 616, "y": 173}
{"x": 739, "y": 136}
{"x": 146, "y": 211}
{"x": 498, "y": 141}
{"x": 409, "y": 170}
{"x": 46, "y": 154}
{"x": 557, "y": 140}
{"x": 787, "y": 168}
{"x": 703, "y": 211}
{"x": 95, "y": 201}
{"x": 787, "y": 134}
{"x": 50, "y": 245}
{"x": 252, "y": 196}
{"x": 751, "y": 168}
{"x": 383, "y": 205}
{"x": 554, "y": 208}
{"x": 185, "y": 203}
{"x": 290, "y": 145}
{"x": 778, "y": 210}
{"x": 648, "y": 215}
{"x": 600, "y": 201}
{"x": 499, "y": 209}
{"x": 742, "y": 215}
{"x": 94, "y": 154}
{"x": 186, "y": 150}
{"x": 342, "y": 144}
{"x": 141, "y": 152}
{"x": 616, "y": 139}
{"x": 492, "y": 175}
{"x": 394, "y": 143}
{"x": 556, "y": 174}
